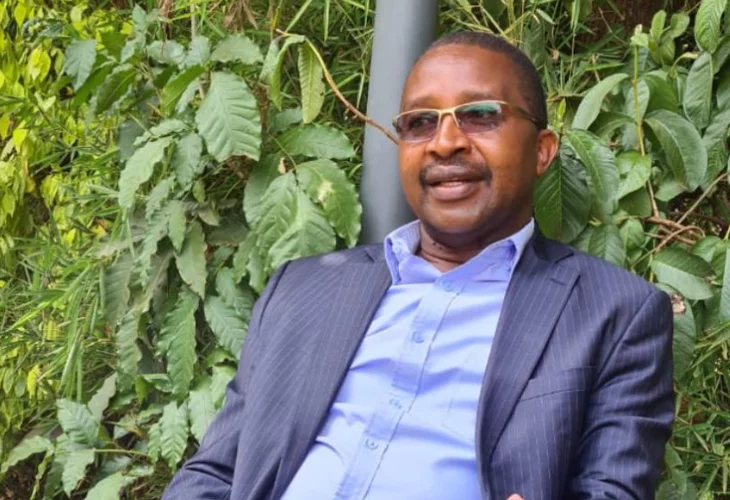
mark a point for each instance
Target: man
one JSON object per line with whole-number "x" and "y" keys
{"x": 468, "y": 357}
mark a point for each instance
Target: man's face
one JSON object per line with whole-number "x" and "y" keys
{"x": 465, "y": 188}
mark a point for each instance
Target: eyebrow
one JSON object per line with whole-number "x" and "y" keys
{"x": 424, "y": 102}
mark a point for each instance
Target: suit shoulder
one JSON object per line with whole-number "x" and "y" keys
{"x": 362, "y": 253}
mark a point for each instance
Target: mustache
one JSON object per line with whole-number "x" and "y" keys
{"x": 479, "y": 170}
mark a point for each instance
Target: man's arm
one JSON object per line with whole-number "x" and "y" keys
{"x": 630, "y": 412}
{"x": 207, "y": 475}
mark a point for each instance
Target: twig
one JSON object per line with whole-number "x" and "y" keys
{"x": 654, "y": 208}
{"x": 704, "y": 195}
{"x": 684, "y": 240}
{"x": 669, "y": 238}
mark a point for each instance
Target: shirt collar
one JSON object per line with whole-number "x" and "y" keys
{"x": 405, "y": 267}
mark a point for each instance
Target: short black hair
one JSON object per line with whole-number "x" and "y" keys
{"x": 530, "y": 81}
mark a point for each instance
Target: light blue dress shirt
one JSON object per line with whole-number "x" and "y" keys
{"x": 403, "y": 424}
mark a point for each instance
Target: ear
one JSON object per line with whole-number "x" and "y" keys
{"x": 547, "y": 148}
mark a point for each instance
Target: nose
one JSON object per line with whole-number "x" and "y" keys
{"x": 449, "y": 139}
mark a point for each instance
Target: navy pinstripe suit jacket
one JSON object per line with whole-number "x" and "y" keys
{"x": 576, "y": 403}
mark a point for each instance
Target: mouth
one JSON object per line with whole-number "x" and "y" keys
{"x": 453, "y": 189}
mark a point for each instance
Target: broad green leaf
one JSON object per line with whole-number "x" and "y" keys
{"x": 100, "y": 400}
{"x": 698, "y": 91}
{"x": 166, "y": 52}
{"x": 129, "y": 131}
{"x": 222, "y": 375}
{"x": 682, "y": 146}
{"x": 312, "y": 83}
{"x": 114, "y": 87}
{"x": 638, "y": 170}
{"x": 717, "y": 131}
{"x": 177, "y": 338}
{"x": 128, "y": 353}
{"x": 328, "y": 186}
{"x": 272, "y": 56}
{"x": 156, "y": 230}
{"x": 226, "y": 324}
{"x": 26, "y": 448}
{"x": 281, "y": 121}
{"x": 79, "y": 60}
{"x": 562, "y": 200}
{"x": 707, "y": 24}
{"x": 723, "y": 90}
{"x": 139, "y": 168}
{"x": 662, "y": 94}
{"x": 154, "y": 438}
{"x": 590, "y": 106}
{"x": 164, "y": 128}
{"x": 683, "y": 341}
{"x": 116, "y": 288}
{"x": 632, "y": 234}
{"x": 176, "y": 87}
{"x": 202, "y": 409}
{"x": 678, "y": 25}
{"x": 186, "y": 159}
{"x": 77, "y": 422}
{"x": 110, "y": 487}
{"x": 198, "y": 52}
{"x": 240, "y": 298}
{"x": 717, "y": 160}
{"x": 309, "y": 233}
{"x": 262, "y": 175}
{"x": 720, "y": 57}
{"x": 74, "y": 469}
{"x": 191, "y": 260}
{"x": 657, "y": 24}
{"x": 177, "y": 224}
{"x": 684, "y": 272}
{"x": 228, "y": 118}
{"x": 274, "y": 75}
{"x": 606, "y": 243}
{"x": 600, "y": 164}
{"x": 157, "y": 196}
{"x": 237, "y": 48}
{"x": 725, "y": 292}
{"x": 278, "y": 210}
{"x": 173, "y": 433}
{"x": 317, "y": 141}
{"x": 608, "y": 122}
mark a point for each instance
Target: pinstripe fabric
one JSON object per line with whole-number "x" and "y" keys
{"x": 576, "y": 402}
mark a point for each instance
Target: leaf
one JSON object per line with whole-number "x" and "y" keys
{"x": 228, "y": 118}
{"x": 312, "y": 83}
{"x": 177, "y": 338}
{"x": 683, "y": 341}
{"x": 198, "y": 52}
{"x": 698, "y": 91}
{"x": 114, "y": 87}
{"x": 682, "y": 145}
{"x": 186, "y": 159}
{"x": 176, "y": 87}
{"x": 157, "y": 196}
{"x": 177, "y": 223}
{"x": 202, "y": 409}
{"x": 116, "y": 288}
{"x": 128, "y": 353}
{"x": 166, "y": 52}
{"x": 79, "y": 60}
{"x": 278, "y": 209}
{"x": 608, "y": 121}
{"x": 100, "y": 400}
{"x": 191, "y": 260}
{"x": 110, "y": 487}
{"x": 707, "y": 24}
{"x": 262, "y": 175}
{"x": 156, "y": 230}
{"x": 678, "y": 25}
{"x": 562, "y": 200}
{"x": 226, "y": 324}
{"x": 662, "y": 94}
{"x": 590, "y": 106}
{"x": 605, "y": 242}
{"x": 328, "y": 186}
{"x": 632, "y": 234}
{"x": 274, "y": 75}
{"x": 77, "y": 422}
{"x": 239, "y": 298}
{"x": 684, "y": 272}
{"x": 657, "y": 24}
{"x": 281, "y": 121}
{"x": 173, "y": 433}
{"x": 309, "y": 233}
{"x": 154, "y": 438}
{"x": 638, "y": 170}
{"x": 74, "y": 469}
{"x": 317, "y": 141}
{"x": 725, "y": 292}
{"x": 139, "y": 168}
{"x": 237, "y": 48}
{"x": 600, "y": 164}
{"x": 26, "y": 448}
{"x": 717, "y": 160}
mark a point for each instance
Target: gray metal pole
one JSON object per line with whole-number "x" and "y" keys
{"x": 403, "y": 30}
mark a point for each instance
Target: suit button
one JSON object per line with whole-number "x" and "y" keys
{"x": 371, "y": 445}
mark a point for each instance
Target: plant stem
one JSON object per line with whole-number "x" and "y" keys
{"x": 635, "y": 82}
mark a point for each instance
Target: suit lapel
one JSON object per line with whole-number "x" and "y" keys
{"x": 535, "y": 298}
{"x": 344, "y": 322}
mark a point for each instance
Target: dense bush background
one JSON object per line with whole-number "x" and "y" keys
{"x": 158, "y": 161}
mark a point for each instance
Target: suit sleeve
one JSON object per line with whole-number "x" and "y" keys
{"x": 208, "y": 474}
{"x": 631, "y": 411}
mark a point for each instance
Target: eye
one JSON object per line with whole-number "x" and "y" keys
{"x": 480, "y": 117}
{"x": 420, "y": 120}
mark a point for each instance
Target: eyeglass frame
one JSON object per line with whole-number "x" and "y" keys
{"x": 452, "y": 111}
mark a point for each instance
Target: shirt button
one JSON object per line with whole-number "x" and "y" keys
{"x": 396, "y": 403}
{"x": 371, "y": 445}
{"x": 418, "y": 338}
{"x": 448, "y": 286}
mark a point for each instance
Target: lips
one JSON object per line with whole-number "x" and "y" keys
{"x": 452, "y": 183}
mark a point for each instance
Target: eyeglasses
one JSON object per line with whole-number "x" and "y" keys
{"x": 472, "y": 118}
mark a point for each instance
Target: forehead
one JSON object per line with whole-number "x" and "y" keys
{"x": 453, "y": 74}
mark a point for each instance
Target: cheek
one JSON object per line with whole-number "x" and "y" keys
{"x": 409, "y": 167}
